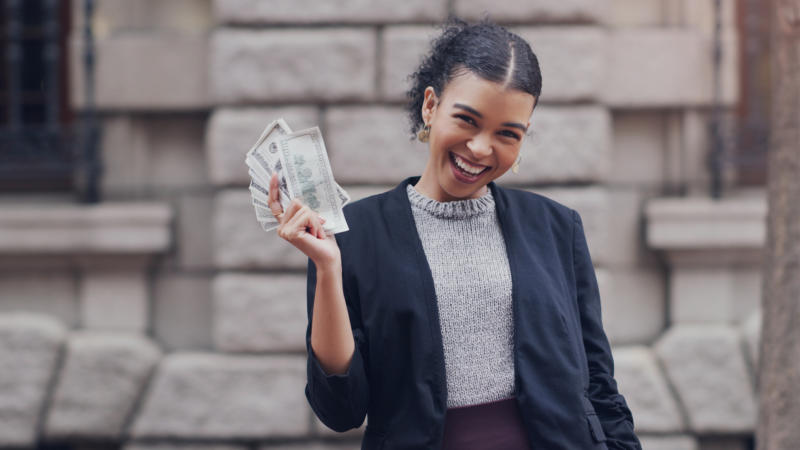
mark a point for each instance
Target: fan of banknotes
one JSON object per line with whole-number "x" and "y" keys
{"x": 304, "y": 171}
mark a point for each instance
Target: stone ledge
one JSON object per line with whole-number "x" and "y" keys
{"x": 106, "y": 229}
{"x": 702, "y": 230}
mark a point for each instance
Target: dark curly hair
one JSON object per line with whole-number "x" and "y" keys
{"x": 484, "y": 49}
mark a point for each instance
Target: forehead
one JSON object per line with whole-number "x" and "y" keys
{"x": 489, "y": 98}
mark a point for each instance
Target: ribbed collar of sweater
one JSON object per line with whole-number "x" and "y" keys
{"x": 458, "y": 209}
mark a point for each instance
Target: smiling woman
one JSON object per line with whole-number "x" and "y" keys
{"x": 455, "y": 313}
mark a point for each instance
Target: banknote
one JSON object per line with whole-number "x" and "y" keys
{"x": 264, "y": 159}
{"x": 304, "y": 162}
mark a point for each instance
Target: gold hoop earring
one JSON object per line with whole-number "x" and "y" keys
{"x": 424, "y": 133}
{"x": 515, "y": 167}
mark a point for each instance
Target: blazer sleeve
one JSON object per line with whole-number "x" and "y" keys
{"x": 339, "y": 400}
{"x": 609, "y": 404}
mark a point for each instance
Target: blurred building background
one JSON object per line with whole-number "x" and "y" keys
{"x": 142, "y": 307}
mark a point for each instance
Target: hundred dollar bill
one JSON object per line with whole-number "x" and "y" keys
{"x": 304, "y": 161}
{"x": 263, "y": 161}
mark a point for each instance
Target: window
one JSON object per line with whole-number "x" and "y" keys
{"x": 37, "y": 144}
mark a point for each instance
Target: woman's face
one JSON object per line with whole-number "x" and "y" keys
{"x": 477, "y": 127}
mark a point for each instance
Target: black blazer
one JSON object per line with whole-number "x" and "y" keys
{"x": 563, "y": 366}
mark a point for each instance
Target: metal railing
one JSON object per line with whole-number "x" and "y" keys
{"x": 43, "y": 146}
{"x": 740, "y": 139}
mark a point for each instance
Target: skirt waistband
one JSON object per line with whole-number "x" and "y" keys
{"x": 495, "y": 425}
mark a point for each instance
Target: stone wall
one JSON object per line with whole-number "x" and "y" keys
{"x": 214, "y": 356}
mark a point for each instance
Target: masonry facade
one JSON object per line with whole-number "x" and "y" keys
{"x": 163, "y": 317}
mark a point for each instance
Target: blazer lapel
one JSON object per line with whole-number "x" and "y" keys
{"x": 403, "y": 230}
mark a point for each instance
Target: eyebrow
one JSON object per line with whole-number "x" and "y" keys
{"x": 473, "y": 111}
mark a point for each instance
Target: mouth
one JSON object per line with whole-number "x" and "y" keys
{"x": 465, "y": 171}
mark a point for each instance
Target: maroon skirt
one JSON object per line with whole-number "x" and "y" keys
{"x": 495, "y": 425}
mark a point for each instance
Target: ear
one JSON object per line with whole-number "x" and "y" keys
{"x": 429, "y": 104}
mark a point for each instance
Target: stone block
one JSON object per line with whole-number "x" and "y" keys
{"x": 45, "y": 292}
{"x": 142, "y": 154}
{"x": 567, "y": 144}
{"x": 625, "y": 240}
{"x": 284, "y": 65}
{"x": 371, "y": 144}
{"x": 114, "y": 299}
{"x": 29, "y": 351}
{"x": 126, "y": 155}
{"x": 232, "y": 132}
{"x": 668, "y": 442}
{"x": 638, "y": 154}
{"x": 645, "y": 389}
{"x": 699, "y": 14}
{"x": 195, "y": 235}
{"x": 402, "y": 50}
{"x": 693, "y": 139}
{"x": 176, "y": 157}
{"x": 714, "y": 294}
{"x": 705, "y": 365}
{"x": 751, "y": 330}
{"x": 225, "y": 397}
{"x": 239, "y": 241}
{"x": 103, "y": 375}
{"x": 666, "y": 67}
{"x": 635, "y": 13}
{"x": 174, "y": 77}
{"x": 183, "y": 311}
{"x": 572, "y": 60}
{"x": 258, "y": 313}
{"x": 314, "y": 12}
{"x": 634, "y": 304}
{"x": 113, "y": 17}
{"x": 581, "y": 11}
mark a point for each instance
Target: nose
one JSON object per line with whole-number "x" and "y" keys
{"x": 480, "y": 145}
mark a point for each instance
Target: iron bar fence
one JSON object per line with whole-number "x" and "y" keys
{"x": 739, "y": 139}
{"x": 43, "y": 144}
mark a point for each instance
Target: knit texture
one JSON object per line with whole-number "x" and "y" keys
{"x": 466, "y": 252}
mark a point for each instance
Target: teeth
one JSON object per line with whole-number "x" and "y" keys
{"x": 467, "y": 167}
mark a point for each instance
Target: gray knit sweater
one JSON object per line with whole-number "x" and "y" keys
{"x": 467, "y": 256}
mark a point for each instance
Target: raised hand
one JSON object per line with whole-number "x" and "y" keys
{"x": 302, "y": 227}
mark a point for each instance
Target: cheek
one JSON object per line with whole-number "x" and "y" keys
{"x": 508, "y": 156}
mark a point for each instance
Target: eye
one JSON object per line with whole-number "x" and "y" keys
{"x": 467, "y": 119}
{"x": 510, "y": 134}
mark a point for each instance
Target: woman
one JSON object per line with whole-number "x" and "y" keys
{"x": 455, "y": 313}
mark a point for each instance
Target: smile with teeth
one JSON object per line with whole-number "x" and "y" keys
{"x": 466, "y": 167}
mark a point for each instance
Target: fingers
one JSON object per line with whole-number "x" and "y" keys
{"x": 275, "y": 198}
{"x": 298, "y": 220}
